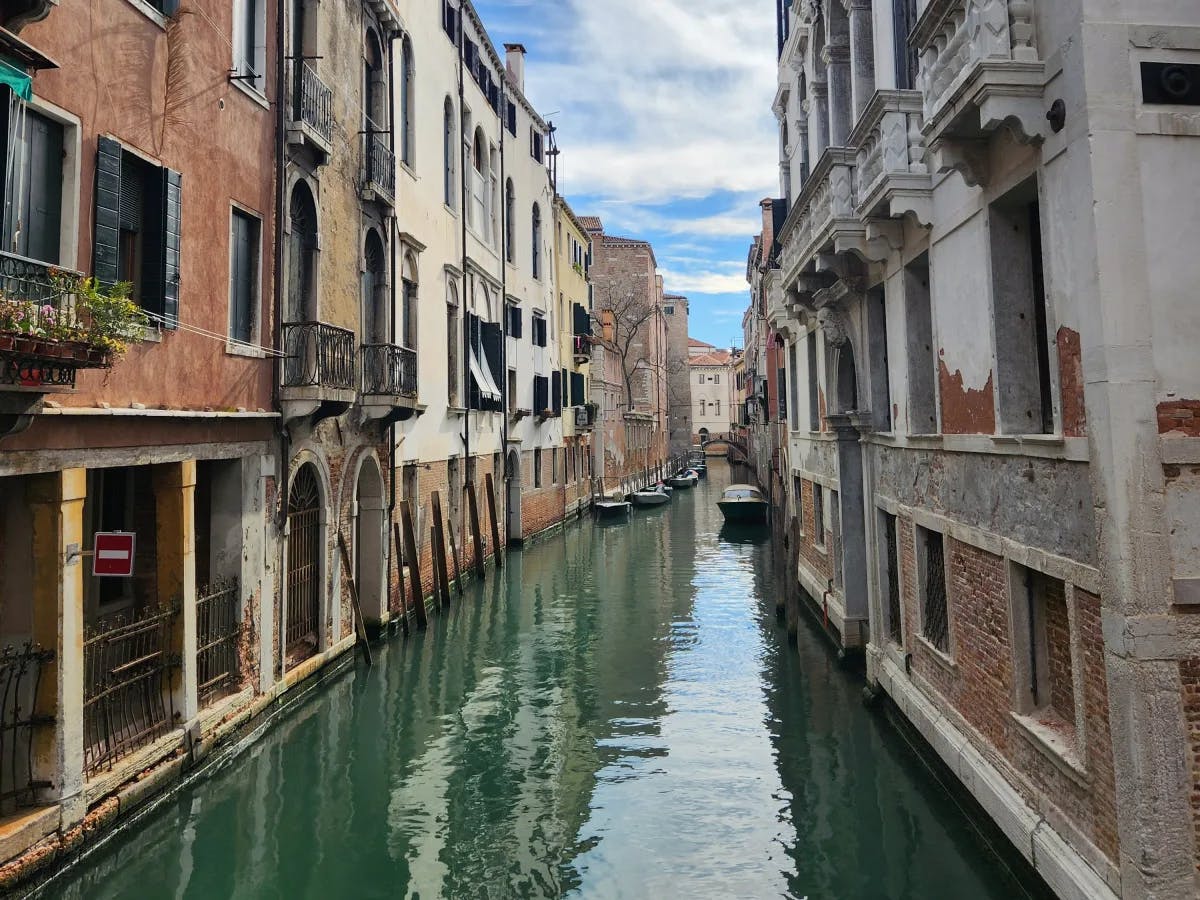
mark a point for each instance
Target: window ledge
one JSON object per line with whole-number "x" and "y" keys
{"x": 150, "y": 13}
{"x": 1049, "y": 735}
{"x": 242, "y": 350}
{"x": 152, "y": 334}
{"x": 945, "y": 660}
{"x": 255, "y": 95}
{"x": 407, "y": 167}
{"x": 456, "y": 410}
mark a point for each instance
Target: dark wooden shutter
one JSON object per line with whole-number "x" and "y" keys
{"x": 172, "y": 222}
{"x": 556, "y": 391}
{"x": 515, "y": 322}
{"x": 473, "y": 394}
{"x": 105, "y": 246}
{"x": 492, "y": 339}
{"x": 577, "y": 389}
{"x": 541, "y": 391}
{"x": 241, "y": 277}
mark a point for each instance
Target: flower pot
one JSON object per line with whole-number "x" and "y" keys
{"x": 6, "y": 341}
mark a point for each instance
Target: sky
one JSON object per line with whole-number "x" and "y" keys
{"x": 663, "y": 110}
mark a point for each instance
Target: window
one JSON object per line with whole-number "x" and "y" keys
{"x": 301, "y": 256}
{"x": 818, "y": 515}
{"x": 718, "y": 406}
{"x": 539, "y": 330}
{"x": 407, "y": 102}
{"x": 536, "y": 146}
{"x": 449, "y": 150}
{"x": 904, "y": 20}
{"x": 814, "y": 395}
{"x": 451, "y": 20}
{"x": 243, "y": 275}
{"x": 537, "y": 467}
{"x": 781, "y": 392}
{"x": 922, "y": 362}
{"x": 541, "y": 394}
{"x": 798, "y": 497}
{"x": 32, "y": 154}
{"x": 703, "y": 406}
{"x": 1019, "y": 314}
{"x": 249, "y": 42}
{"x": 935, "y": 621}
{"x": 515, "y": 321}
{"x": 375, "y": 88}
{"x": 794, "y": 383}
{"x": 137, "y": 222}
{"x": 510, "y": 214}
{"x": 1043, "y": 666}
{"x": 668, "y": 310}
{"x": 890, "y": 576}
{"x": 477, "y": 214}
{"x": 453, "y": 337}
{"x": 537, "y": 241}
{"x": 877, "y": 359}
{"x": 554, "y": 465}
{"x": 512, "y": 389}
{"x": 410, "y": 302}
{"x": 716, "y": 379}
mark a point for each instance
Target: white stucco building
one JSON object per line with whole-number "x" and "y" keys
{"x": 712, "y": 384}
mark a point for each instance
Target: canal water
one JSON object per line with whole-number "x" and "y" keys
{"x": 617, "y": 714}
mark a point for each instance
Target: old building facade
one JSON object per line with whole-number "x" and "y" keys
{"x": 679, "y": 382}
{"x": 987, "y": 468}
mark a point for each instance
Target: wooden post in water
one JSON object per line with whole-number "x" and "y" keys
{"x": 414, "y": 565}
{"x": 438, "y": 536}
{"x": 473, "y": 510}
{"x": 360, "y": 627}
{"x": 454, "y": 554}
{"x": 398, "y": 556}
{"x": 490, "y": 486}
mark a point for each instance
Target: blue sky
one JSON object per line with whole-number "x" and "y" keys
{"x": 665, "y": 127}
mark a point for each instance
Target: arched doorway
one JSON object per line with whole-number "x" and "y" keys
{"x": 305, "y": 565}
{"x": 703, "y": 435}
{"x": 513, "y": 514}
{"x": 370, "y": 542}
{"x": 375, "y": 290}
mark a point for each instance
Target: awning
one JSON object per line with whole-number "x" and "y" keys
{"x": 482, "y": 374}
{"x": 21, "y": 84}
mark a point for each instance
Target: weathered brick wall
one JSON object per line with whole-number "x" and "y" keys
{"x": 1058, "y": 647}
{"x": 545, "y": 506}
{"x": 1189, "y": 676}
{"x": 976, "y": 683}
{"x": 813, "y": 557}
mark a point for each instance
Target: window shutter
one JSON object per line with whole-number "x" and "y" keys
{"x": 577, "y": 396}
{"x": 172, "y": 213}
{"x": 105, "y": 264}
{"x": 492, "y": 339}
{"x": 541, "y": 388}
{"x": 556, "y": 391}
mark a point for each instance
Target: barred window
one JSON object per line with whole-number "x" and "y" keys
{"x": 935, "y": 620}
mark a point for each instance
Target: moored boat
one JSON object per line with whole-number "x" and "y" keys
{"x": 682, "y": 480}
{"x": 650, "y": 497}
{"x": 611, "y": 508}
{"x": 743, "y": 503}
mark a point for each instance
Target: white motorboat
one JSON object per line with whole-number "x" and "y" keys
{"x": 650, "y": 497}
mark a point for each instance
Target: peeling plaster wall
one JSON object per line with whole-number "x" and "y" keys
{"x": 1006, "y": 495}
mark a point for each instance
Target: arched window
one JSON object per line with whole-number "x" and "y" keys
{"x": 375, "y": 290}
{"x": 510, "y": 214}
{"x": 537, "y": 241}
{"x": 407, "y": 99}
{"x": 302, "y": 256}
{"x": 449, "y": 149}
{"x": 409, "y": 283}
{"x": 479, "y": 179}
{"x": 375, "y": 90}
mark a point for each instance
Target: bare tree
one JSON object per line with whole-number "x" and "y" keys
{"x": 624, "y": 306}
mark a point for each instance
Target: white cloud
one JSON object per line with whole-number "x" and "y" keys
{"x": 721, "y": 279}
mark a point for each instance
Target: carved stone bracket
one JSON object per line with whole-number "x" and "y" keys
{"x": 968, "y": 158}
{"x": 834, "y": 325}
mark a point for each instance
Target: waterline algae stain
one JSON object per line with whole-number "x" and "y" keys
{"x": 615, "y": 714}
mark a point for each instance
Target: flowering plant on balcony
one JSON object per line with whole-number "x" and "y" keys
{"x": 112, "y": 320}
{"x": 75, "y": 314}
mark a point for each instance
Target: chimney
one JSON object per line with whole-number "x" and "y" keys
{"x": 515, "y": 62}
{"x": 768, "y": 232}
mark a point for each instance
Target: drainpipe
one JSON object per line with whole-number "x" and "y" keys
{"x": 395, "y": 554}
{"x": 285, "y": 448}
{"x": 503, "y": 181}
{"x": 462, "y": 215}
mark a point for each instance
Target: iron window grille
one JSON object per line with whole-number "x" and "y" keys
{"x": 935, "y": 619}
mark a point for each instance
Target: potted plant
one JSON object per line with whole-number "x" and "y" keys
{"x": 112, "y": 321}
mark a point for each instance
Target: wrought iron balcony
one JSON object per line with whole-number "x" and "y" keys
{"x": 318, "y": 356}
{"x": 979, "y": 70}
{"x": 379, "y": 177}
{"x": 892, "y": 165}
{"x": 585, "y": 417}
{"x": 45, "y": 335}
{"x": 582, "y": 350}
{"x": 313, "y": 105}
{"x": 389, "y": 370}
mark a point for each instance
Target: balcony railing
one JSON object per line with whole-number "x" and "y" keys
{"x": 585, "y": 416}
{"x": 582, "y": 349}
{"x": 824, "y": 211}
{"x": 318, "y": 355}
{"x": 892, "y": 170}
{"x": 314, "y": 102}
{"x": 43, "y": 336}
{"x": 979, "y": 56}
{"x": 389, "y": 370}
{"x": 20, "y": 680}
{"x": 217, "y": 634}
{"x": 380, "y": 174}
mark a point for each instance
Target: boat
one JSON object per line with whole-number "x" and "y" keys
{"x": 683, "y": 480}
{"x": 743, "y": 503}
{"x": 700, "y": 468}
{"x": 650, "y": 497}
{"x": 608, "y": 508}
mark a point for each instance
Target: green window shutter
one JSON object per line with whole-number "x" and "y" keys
{"x": 556, "y": 391}
{"x": 105, "y": 253}
{"x": 173, "y": 193}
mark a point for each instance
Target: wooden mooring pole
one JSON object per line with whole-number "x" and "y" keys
{"x": 454, "y": 554}
{"x": 490, "y": 487}
{"x": 398, "y": 556}
{"x": 437, "y": 534}
{"x": 414, "y": 565}
{"x": 360, "y": 626}
{"x": 473, "y": 510}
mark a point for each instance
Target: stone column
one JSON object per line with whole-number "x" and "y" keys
{"x": 841, "y": 117}
{"x": 56, "y": 503}
{"x": 817, "y": 107}
{"x": 175, "y": 518}
{"x": 862, "y": 56}
{"x": 853, "y": 523}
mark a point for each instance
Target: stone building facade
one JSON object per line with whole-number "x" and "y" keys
{"x": 712, "y": 384}
{"x": 988, "y": 474}
{"x": 679, "y": 383}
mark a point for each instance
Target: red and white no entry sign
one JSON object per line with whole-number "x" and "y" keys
{"x": 113, "y": 556}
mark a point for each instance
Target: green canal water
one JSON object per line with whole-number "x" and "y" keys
{"x": 617, "y": 714}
